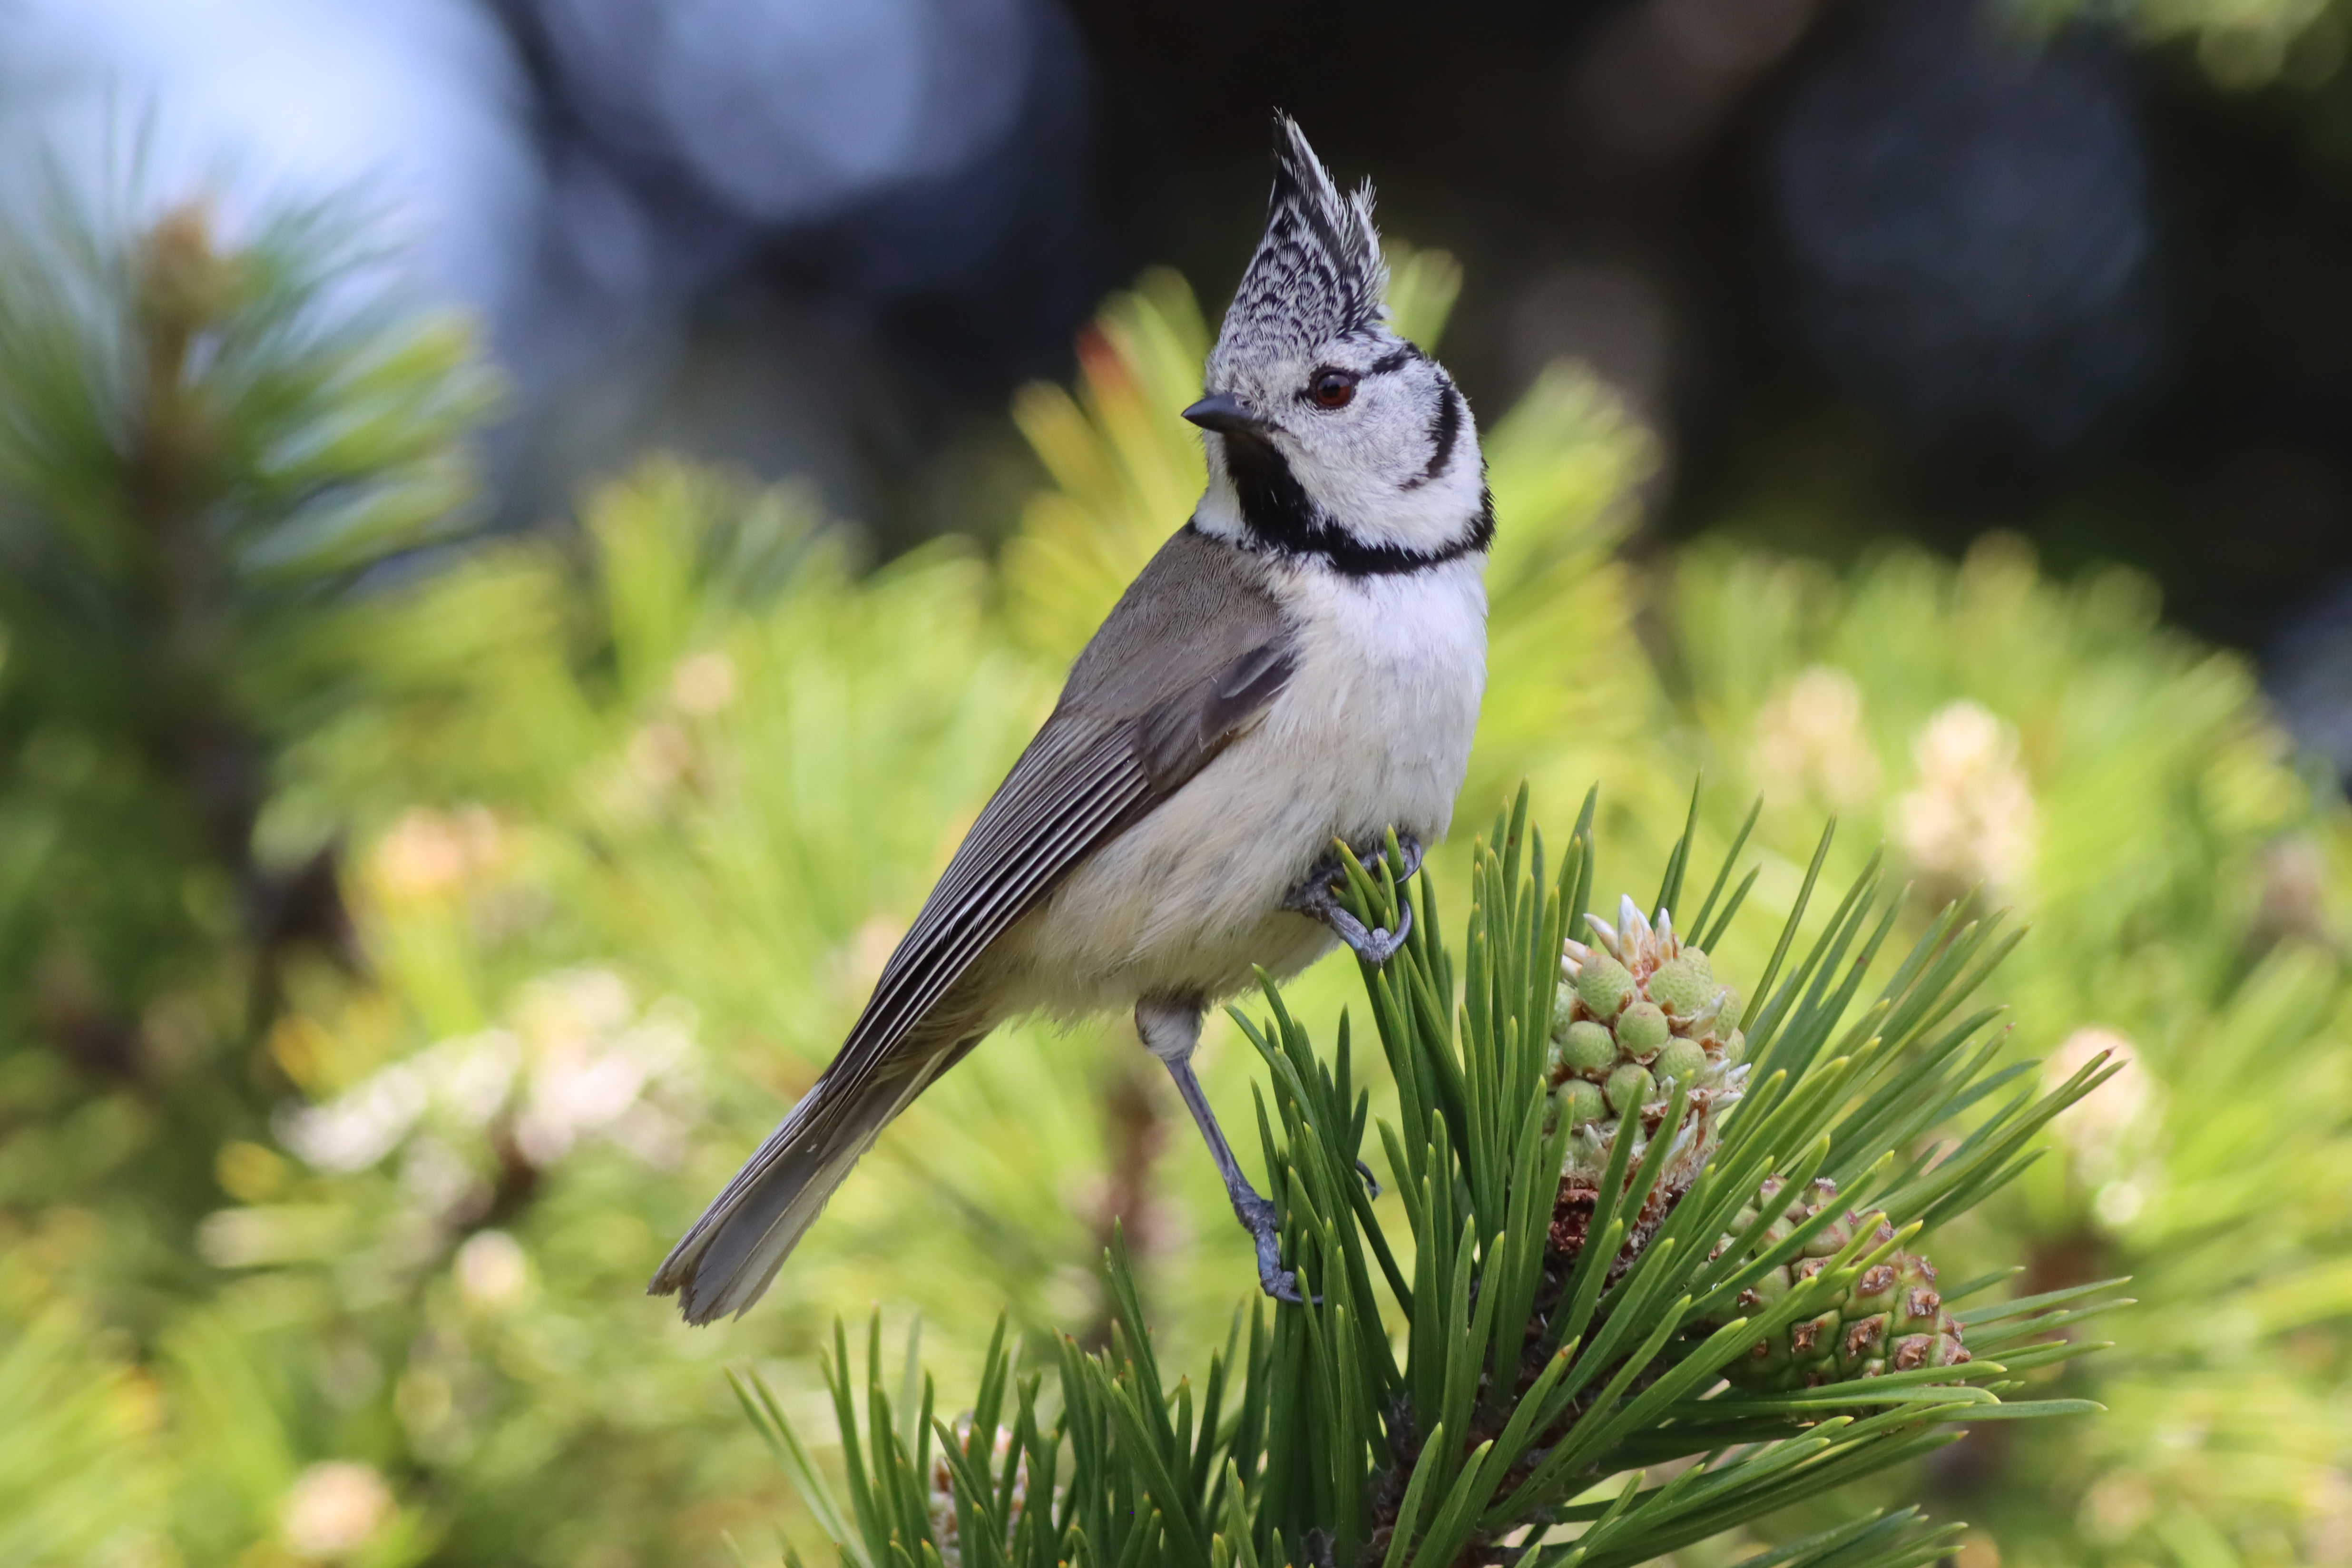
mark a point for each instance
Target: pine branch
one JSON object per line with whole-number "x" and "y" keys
{"x": 204, "y": 445}
{"x": 1711, "y": 1269}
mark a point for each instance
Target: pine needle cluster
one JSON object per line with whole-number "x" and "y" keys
{"x": 1487, "y": 1388}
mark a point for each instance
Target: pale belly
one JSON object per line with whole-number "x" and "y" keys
{"x": 1374, "y": 730}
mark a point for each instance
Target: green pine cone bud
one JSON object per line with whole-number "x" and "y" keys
{"x": 1919, "y": 1305}
{"x": 1861, "y": 1348}
{"x": 1874, "y": 1291}
{"x": 1588, "y": 1049}
{"x": 1580, "y": 1102}
{"x": 1681, "y": 986}
{"x": 1828, "y": 1241}
{"x": 1655, "y": 1002}
{"x": 1640, "y": 1030}
{"x": 1681, "y": 1061}
{"x": 1629, "y": 1089}
{"x": 1915, "y": 1351}
{"x": 1563, "y": 1011}
{"x": 1813, "y": 1347}
{"x": 1605, "y": 986}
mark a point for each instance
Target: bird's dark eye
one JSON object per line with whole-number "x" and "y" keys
{"x": 1332, "y": 389}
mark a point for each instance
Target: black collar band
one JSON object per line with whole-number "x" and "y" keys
{"x": 1351, "y": 557}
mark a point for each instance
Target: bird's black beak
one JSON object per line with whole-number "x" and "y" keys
{"x": 1223, "y": 413}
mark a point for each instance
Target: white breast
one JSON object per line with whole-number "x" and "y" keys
{"x": 1373, "y": 730}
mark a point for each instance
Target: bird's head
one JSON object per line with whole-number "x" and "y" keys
{"x": 1329, "y": 434}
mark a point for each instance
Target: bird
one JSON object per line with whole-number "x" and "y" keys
{"x": 1298, "y": 668}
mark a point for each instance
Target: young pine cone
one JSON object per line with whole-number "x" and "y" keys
{"x": 1635, "y": 1014}
{"x": 1890, "y": 1320}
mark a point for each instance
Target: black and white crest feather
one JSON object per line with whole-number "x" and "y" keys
{"x": 1317, "y": 273}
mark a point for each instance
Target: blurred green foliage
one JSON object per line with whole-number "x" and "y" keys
{"x": 396, "y": 950}
{"x": 2240, "y": 45}
{"x": 199, "y": 458}
{"x": 2057, "y": 748}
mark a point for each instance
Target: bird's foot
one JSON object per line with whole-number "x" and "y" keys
{"x": 1318, "y": 897}
{"x": 1258, "y": 1217}
{"x": 1374, "y": 944}
{"x": 1330, "y": 872}
{"x": 1372, "y": 1183}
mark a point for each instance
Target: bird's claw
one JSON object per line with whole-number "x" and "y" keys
{"x": 1375, "y": 945}
{"x": 1372, "y": 1183}
{"x": 1258, "y": 1217}
{"x": 1329, "y": 874}
{"x": 1316, "y": 898}
{"x": 1408, "y": 850}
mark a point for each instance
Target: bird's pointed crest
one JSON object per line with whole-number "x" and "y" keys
{"x": 1316, "y": 273}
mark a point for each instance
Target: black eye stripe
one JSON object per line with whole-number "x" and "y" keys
{"x": 1445, "y": 430}
{"x": 1388, "y": 363}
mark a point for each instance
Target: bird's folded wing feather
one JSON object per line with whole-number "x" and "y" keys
{"x": 1082, "y": 780}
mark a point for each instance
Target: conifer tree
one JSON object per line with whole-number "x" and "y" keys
{"x": 206, "y": 440}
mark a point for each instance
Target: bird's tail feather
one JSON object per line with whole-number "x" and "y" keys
{"x": 727, "y": 1261}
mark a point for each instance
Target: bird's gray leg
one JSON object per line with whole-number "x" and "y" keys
{"x": 1316, "y": 898}
{"x": 1170, "y": 1028}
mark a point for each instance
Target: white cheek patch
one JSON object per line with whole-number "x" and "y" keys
{"x": 1373, "y": 481}
{"x": 1219, "y": 515}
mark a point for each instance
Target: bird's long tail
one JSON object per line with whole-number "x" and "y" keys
{"x": 727, "y": 1261}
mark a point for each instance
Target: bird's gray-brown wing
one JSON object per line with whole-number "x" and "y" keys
{"x": 1192, "y": 655}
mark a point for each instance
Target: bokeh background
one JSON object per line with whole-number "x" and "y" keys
{"x": 488, "y": 668}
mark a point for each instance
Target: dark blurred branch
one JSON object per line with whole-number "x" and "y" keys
{"x": 1133, "y": 1131}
